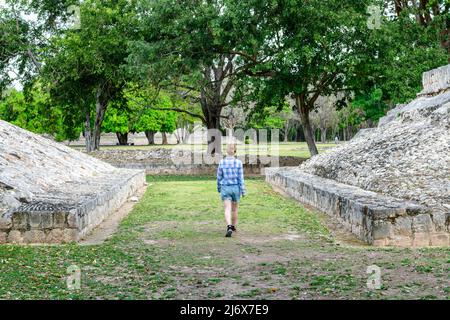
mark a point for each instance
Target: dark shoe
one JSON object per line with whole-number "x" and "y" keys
{"x": 229, "y": 231}
{"x": 233, "y": 228}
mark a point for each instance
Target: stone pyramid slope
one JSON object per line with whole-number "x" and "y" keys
{"x": 404, "y": 164}
{"x": 52, "y": 193}
{"x": 407, "y": 157}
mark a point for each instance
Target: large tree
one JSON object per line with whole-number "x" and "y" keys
{"x": 310, "y": 48}
{"x": 400, "y": 50}
{"x": 34, "y": 112}
{"x": 84, "y": 67}
{"x": 431, "y": 14}
{"x": 26, "y": 27}
{"x": 189, "y": 48}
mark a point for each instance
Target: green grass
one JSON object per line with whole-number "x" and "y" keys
{"x": 295, "y": 149}
{"x": 172, "y": 245}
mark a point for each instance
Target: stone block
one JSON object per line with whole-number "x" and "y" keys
{"x": 381, "y": 229}
{"x": 439, "y": 220}
{"x": 421, "y": 240}
{"x": 35, "y": 220}
{"x": 55, "y": 236}
{"x": 73, "y": 220}
{"x": 47, "y": 220}
{"x": 5, "y": 223}
{"x": 20, "y": 220}
{"x": 441, "y": 239}
{"x": 436, "y": 80}
{"x": 34, "y": 236}
{"x": 403, "y": 226}
{"x": 70, "y": 235}
{"x": 15, "y": 236}
{"x": 422, "y": 223}
{"x": 59, "y": 220}
{"x": 3, "y": 237}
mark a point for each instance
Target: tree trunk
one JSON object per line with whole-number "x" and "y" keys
{"x": 212, "y": 121}
{"x": 164, "y": 138}
{"x": 88, "y": 133}
{"x": 255, "y": 137}
{"x": 286, "y": 131}
{"x": 323, "y": 135}
{"x": 100, "y": 109}
{"x": 213, "y": 97}
{"x": 303, "y": 110}
{"x": 214, "y": 137}
{"x": 350, "y": 133}
{"x": 150, "y": 137}
{"x": 123, "y": 138}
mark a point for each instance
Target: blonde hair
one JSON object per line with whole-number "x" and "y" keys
{"x": 231, "y": 149}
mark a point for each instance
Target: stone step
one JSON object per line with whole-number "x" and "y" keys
{"x": 374, "y": 218}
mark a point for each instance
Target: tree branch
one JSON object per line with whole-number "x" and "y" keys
{"x": 179, "y": 110}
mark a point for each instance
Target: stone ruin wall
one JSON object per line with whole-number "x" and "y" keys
{"x": 435, "y": 81}
{"x": 159, "y": 161}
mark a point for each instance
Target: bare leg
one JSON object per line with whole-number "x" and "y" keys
{"x": 234, "y": 210}
{"x": 227, "y": 207}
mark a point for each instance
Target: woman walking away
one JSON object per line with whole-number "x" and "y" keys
{"x": 230, "y": 185}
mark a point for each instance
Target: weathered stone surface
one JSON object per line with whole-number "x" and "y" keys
{"x": 422, "y": 223}
{"x": 403, "y": 226}
{"x": 5, "y": 223}
{"x": 374, "y": 218}
{"x": 407, "y": 158}
{"x": 70, "y": 235}
{"x": 34, "y": 236}
{"x": 21, "y": 220}
{"x": 52, "y": 193}
{"x": 440, "y": 239}
{"x": 59, "y": 220}
{"x": 3, "y": 237}
{"x": 436, "y": 80}
{"x": 55, "y": 236}
{"x": 381, "y": 230}
{"x": 15, "y": 236}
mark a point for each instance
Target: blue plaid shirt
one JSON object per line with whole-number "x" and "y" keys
{"x": 230, "y": 172}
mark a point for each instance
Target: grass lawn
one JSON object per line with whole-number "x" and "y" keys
{"x": 295, "y": 149}
{"x": 172, "y": 245}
